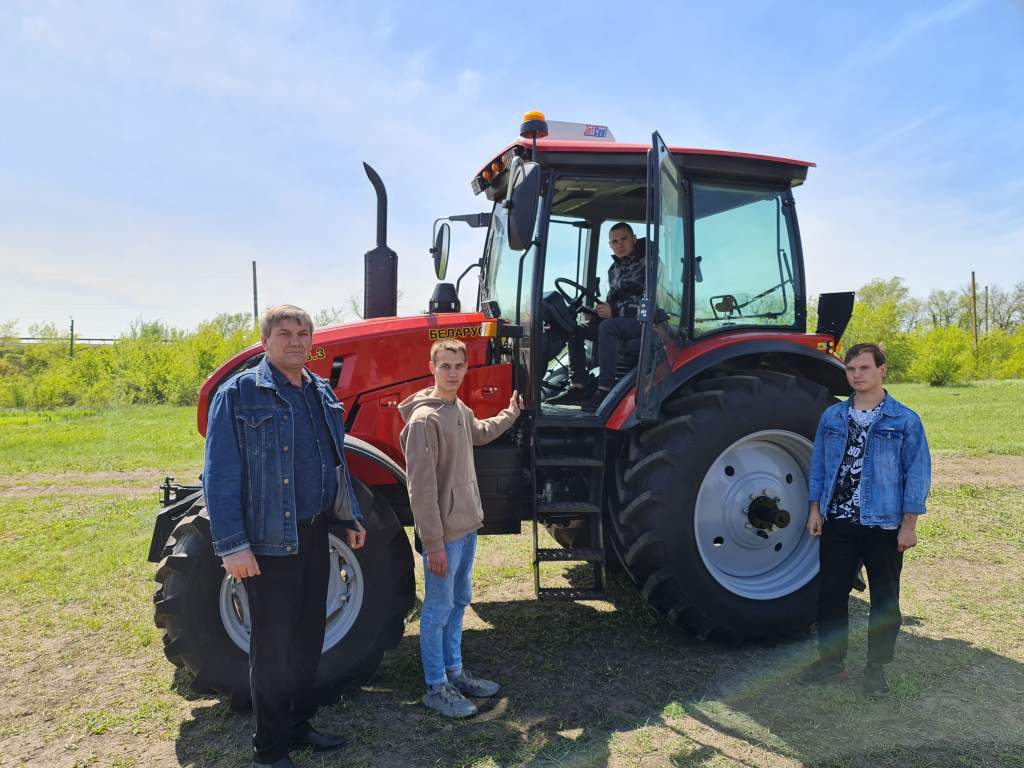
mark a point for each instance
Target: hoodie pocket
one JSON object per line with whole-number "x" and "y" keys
{"x": 465, "y": 502}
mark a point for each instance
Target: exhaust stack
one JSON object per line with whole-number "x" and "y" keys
{"x": 380, "y": 266}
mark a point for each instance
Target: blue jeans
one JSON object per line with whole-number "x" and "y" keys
{"x": 444, "y": 602}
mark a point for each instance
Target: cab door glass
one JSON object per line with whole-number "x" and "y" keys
{"x": 566, "y": 254}
{"x": 662, "y": 310}
{"x": 743, "y": 249}
{"x": 502, "y": 266}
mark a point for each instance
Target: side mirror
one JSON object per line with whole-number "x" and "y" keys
{"x": 523, "y": 196}
{"x": 442, "y": 241}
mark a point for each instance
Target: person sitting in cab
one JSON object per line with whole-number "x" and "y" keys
{"x": 616, "y": 319}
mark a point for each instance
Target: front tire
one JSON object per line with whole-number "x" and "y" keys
{"x": 699, "y": 525}
{"x": 204, "y": 613}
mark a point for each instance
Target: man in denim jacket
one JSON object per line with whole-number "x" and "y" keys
{"x": 274, "y": 470}
{"x": 870, "y": 475}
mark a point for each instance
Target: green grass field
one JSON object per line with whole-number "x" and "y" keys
{"x": 983, "y": 417}
{"x": 85, "y": 682}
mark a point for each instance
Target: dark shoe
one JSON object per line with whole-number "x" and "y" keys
{"x": 284, "y": 762}
{"x": 823, "y": 671}
{"x": 321, "y": 742}
{"x": 873, "y": 683}
{"x": 594, "y": 402}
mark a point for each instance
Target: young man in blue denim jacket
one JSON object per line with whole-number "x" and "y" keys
{"x": 870, "y": 475}
{"x": 274, "y": 470}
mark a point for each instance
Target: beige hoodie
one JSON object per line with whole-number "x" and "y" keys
{"x": 438, "y": 441}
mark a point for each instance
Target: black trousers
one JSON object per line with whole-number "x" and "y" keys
{"x": 608, "y": 334}
{"x": 843, "y": 545}
{"x": 287, "y": 606}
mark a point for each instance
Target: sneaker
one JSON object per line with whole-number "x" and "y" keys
{"x": 447, "y": 700}
{"x": 823, "y": 671}
{"x": 873, "y": 683}
{"x": 474, "y": 686}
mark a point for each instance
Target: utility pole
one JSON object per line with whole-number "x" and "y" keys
{"x": 974, "y": 311}
{"x": 72, "y": 338}
{"x": 986, "y": 309}
{"x": 255, "y": 301}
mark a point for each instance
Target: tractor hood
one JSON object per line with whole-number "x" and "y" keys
{"x": 365, "y": 355}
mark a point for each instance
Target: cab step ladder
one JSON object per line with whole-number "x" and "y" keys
{"x": 570, "y": 454}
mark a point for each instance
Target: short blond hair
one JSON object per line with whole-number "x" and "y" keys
{"x": 447, "y": 345}
{"x": 274, "y": 315}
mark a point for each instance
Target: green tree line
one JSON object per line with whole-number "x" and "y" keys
{"x": 929, "y": 340}
{"x": 152, "y": 363}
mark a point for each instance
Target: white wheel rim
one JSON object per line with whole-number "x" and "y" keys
{"x": 345, "y": 589}
{"x": 767, "y": 468}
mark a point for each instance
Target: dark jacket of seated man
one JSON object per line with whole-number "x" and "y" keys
{"x": 616, "y": 321}
{"x": 626, "y": 278}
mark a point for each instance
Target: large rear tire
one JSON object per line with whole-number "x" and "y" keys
{"x": 204, "y": 613}
{"x": 697, "y": 521}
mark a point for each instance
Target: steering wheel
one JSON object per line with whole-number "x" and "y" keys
{"x": 576, "y": 302}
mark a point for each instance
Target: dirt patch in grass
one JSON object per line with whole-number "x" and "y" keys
{"x": 978, "y": 470}
{"x": 947, "y": 470}
{"x": 132, "y": 483}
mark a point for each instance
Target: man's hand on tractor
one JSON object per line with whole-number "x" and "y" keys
{"x": 515, "y": 403}
{"x": 814, "y": 521}
{"x": 355, "y": 538}
{"x": 604, "y": 311}
{"x": 242, "y": 564}
{"x": 437, "y": 563}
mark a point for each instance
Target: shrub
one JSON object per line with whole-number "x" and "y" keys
{"x": 150, "y": 364}
{"x": 1013, "y": 366}
{"x": 942, "y": 356}
{"x": 994, "y": 349}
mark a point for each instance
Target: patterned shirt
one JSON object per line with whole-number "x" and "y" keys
{"x": 845, "y": 503}
{"x": 626, "y": 279}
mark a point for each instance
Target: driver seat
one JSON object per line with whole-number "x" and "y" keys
{"x": 556, "y": 312}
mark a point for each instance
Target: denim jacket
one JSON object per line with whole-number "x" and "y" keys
{"x": 897, "y": 470}
{"x": 248, "y": 467}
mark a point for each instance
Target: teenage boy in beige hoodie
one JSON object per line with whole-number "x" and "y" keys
{"x": 438, "y": 438}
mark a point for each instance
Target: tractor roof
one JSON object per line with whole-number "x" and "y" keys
{"x": 606, "y": 155}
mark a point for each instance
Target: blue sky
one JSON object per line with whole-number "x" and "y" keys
{"x": 150, "y": 151}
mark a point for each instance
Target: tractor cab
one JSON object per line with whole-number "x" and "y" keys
{"x": 717, "y": 232}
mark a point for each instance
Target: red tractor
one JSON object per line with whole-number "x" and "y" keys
{"x": 691, "y": 475}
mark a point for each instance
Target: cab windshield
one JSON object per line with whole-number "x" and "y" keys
{"x": 743, "y": 247}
